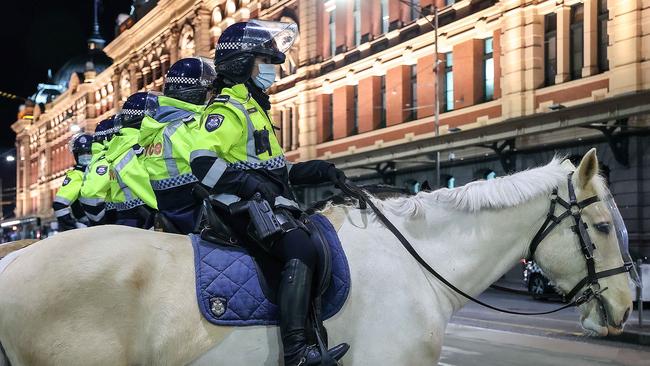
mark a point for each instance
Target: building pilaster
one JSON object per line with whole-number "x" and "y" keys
{"x": 201, "y": 24}
{"x": 591, "y": 38}
{"x": 625, "y": 34}
{"x": 563, "y": 45}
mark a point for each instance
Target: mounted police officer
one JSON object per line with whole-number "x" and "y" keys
{"x": 238, "y": 158}
{"x": 66, "y": 205}
{"x": 166, "y": 135}
{"x": 96, "y": 188}
{"x": 134, "y": 199}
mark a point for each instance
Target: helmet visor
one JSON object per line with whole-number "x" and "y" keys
{"x": 622, "y": 237}
{"x": 270, "y": 35}
{"x": 151, "y": 104}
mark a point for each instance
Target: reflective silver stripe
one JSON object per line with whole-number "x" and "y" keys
{"x": 91, "y": 201}
{"x": 289, "y": 166}
{"x": 250, "y": 143}
{"x": 62, "y": 200}
{"x": 97, "y": 217}
{"x": 118, "y": 167}
{"x": 214, "y": 174}
{"x": 226, "y": 198}
{"x": 283, "y": 201}
{"x": 202, "y": 153}
{"x": 62, "y": 212}
{"x": 170, "y": 162}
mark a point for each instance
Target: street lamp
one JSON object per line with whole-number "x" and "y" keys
{"x": 10, "y": 158}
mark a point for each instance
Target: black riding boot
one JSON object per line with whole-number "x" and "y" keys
{"x": 294, "y": 297}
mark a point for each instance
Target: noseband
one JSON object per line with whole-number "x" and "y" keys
{"x": 573, "y": 209}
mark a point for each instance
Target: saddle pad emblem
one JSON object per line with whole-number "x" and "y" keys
{"x": 218, "y": 306}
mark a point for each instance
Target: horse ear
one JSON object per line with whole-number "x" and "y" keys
{"x": 425, "y": 186}
{"x": 587, "y": 169}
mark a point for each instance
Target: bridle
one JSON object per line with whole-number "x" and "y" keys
{"x": 573, "y": 209}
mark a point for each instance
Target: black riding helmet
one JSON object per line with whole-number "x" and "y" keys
{"x": 132, "y": 111}
{"x": 241, "y": 42}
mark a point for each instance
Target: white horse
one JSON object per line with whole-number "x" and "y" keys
{"x": 121, "y": 296}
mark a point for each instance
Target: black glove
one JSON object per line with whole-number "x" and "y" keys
{"x": 336, "y": 175}
{"x": 252, "y": 184}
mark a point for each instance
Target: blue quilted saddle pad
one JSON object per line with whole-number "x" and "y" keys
{"x": 228, "y": 286}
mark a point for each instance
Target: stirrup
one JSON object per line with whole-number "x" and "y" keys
{"x": 312, "y": 355}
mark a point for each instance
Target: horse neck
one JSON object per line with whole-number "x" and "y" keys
{"x": 474, "y": 249}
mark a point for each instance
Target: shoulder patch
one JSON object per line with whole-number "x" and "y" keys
{"x": 66, "y": 181}
{"x": 222, "y": 98}
{"x": 213, "y": 122}
{"x": 101, "y": 170}
{"x": 138, "y": 150}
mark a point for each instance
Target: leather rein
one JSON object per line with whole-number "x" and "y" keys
{"x": 573, "y": 209}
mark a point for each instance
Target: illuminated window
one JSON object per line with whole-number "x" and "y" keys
{"x": 449, "y": 81}
{"x": 384, "y": 16}
{"x": 490, "y": 175}
{"x": 415, "y": 9}
{"x": 414, "y": 92}
{"x": 357, "y": 22}
{"x": 488, "y": 70}
{"x": 332, "y": 28}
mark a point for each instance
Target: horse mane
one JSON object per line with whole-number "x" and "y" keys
{"x": 498, "y": 193}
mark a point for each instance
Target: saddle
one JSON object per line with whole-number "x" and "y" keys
{"x": 237, "y": 280}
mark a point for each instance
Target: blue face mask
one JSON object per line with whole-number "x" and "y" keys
{"x": 85, "y": 159}
{"x": 266, "y": 76}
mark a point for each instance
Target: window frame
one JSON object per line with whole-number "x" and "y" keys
{"x": 576, "y": 32}
{"x": 602, "y": 28}
{"x": 449, "y": 82}
{"x": 488, "y": 57}
{"x": 550, "y": 35}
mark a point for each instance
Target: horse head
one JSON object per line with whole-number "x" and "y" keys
{"x": 564, "y": 254}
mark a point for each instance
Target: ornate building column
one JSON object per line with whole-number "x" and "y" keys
{"x": 563, "y": 45}
{"x": 115, "y": 80}
{"x": 201, "y": 24}
{"x": 520, "y": 74}
{"x": 591, "y": 38}
{"x": 629, "y": 41}
{"x": 172, "y": 43}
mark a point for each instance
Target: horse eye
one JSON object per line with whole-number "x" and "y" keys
{"x": 603, "y": 227}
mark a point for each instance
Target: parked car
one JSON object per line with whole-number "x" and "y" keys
{"x": 539, "y": 286}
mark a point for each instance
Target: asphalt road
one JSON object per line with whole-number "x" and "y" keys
{"x": 468, "y": 346}
{"x": 479, "y": 336}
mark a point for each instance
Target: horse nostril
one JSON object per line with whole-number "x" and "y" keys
{"x": 626, "y": 315}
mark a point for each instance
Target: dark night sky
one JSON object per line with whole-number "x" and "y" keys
{"x": 37, "y": 35}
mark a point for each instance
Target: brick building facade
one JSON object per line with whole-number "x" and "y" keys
{"x": 519, "y": 80}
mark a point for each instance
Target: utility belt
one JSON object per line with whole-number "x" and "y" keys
{"x": 266, "y": 224}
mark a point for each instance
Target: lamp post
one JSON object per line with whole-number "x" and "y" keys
{"x": 436, "y": 84}
{"x": 8, "y": 158}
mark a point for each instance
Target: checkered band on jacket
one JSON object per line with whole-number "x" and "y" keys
{"x": 110, "y": 206}
{"x": 181, "y": 180}
{"x": 132, "y": 112}
{"x": 123, "y": 206}
{"x": 275, "y": 163}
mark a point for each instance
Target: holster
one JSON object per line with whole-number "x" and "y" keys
{"x": 265, "y": 224}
